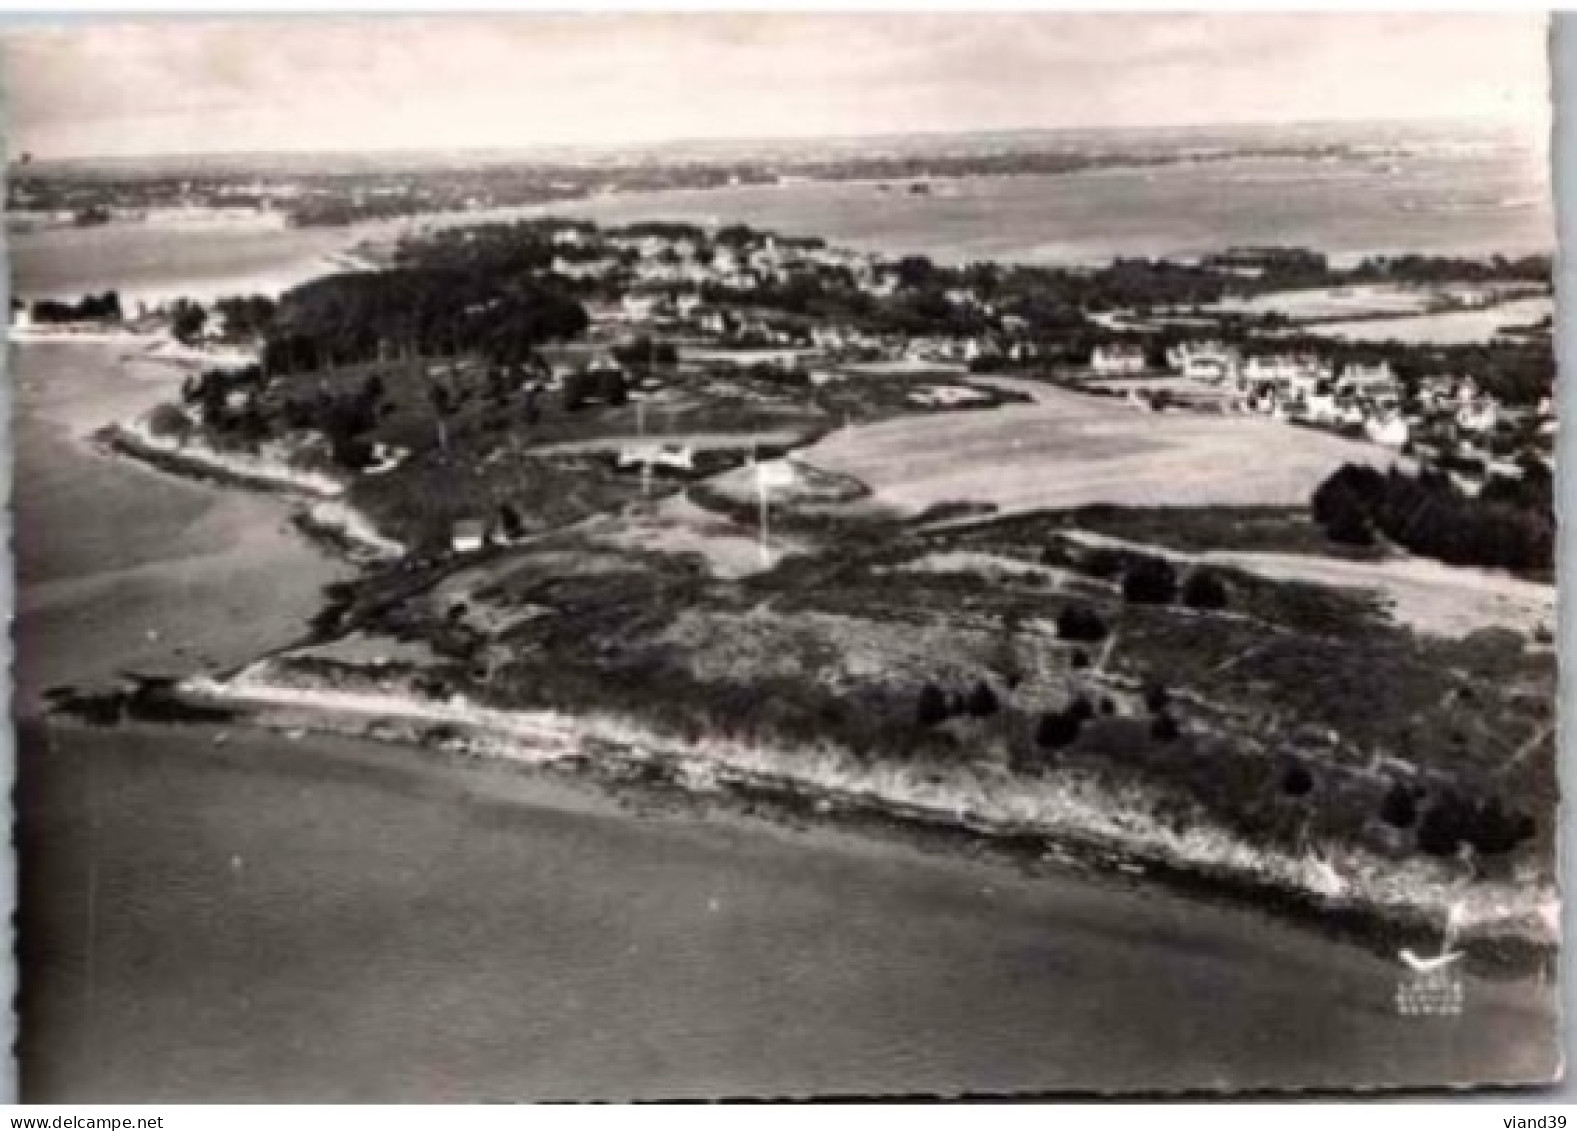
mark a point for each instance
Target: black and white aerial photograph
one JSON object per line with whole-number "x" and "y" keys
{"x": 782, "y": 555}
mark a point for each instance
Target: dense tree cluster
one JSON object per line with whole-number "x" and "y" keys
{"x": 1428, "y": 515}
{"x": 187, "y": 320}
{"x": 246, "y": 318}
{"x": 90, "y": 308}
{"x": 1447, "y": 269}
{"x": 417, "y": 311}
{"x": 1488, "y": 827}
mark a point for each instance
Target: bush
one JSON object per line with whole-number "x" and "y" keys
{"x": 1205, "y": 590}
{"x": 1079, "y": 660}
{"x": 1081, "y": 623}
{"x": 1150, "y": 581}
{"x": 1081, "y": 709}
{"x": 1399, "y": 809}
{"x": 931, "y": 708}
{"x": 1156, "y": 698}
{"x": 1057, "y": 729}
{"x": 982, "y": 701}
{"x": 1108, "y": 708}
{"x": 1103, "y": 563}
{"x": 1495, "y": 831}
{"x": 1164, "y": 728}
{"x": 1348, "y": 525}
{"x": 1297, "y": 781}
{"x": 1445, "y": 826}
{"x": 167, "y": 420}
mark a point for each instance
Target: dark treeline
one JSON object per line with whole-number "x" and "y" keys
{"x": 418, "y": 311}
{"x": 1444, "y": 269}
{"x": 247, "y": 318}
{"x": 1506, "y": 527}
{"x": 90, "y": 308}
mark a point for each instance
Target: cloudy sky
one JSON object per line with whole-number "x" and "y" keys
{"x": 175, "y": 85}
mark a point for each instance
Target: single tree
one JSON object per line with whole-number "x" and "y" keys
{"x": 1082, "y": 623}
{"x": 1150, "y": 581}
{"x": 982, "y": 701}
{"x": 1204, "y": 589}
{"x": 1057, "y": 729}
{"x": 1399, "y": 808}
{"x": 931, "y": 708}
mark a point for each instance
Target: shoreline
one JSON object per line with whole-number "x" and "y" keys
{"x": 1091, "y": 828}
{"x": 327, "y": 518}
{"x": 1074, "y": 824}
{"x": 1356, "y": 894}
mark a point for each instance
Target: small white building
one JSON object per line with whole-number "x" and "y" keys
{"x": 469, "y": 536}
{"x": 1114, "y": 360}
{"x": 1391, "y": 430}
{"x": 1320, "y": 408}
{"x": 1480, "y": 415}
{"x": 1204, "y": 361}
{"x": 1374, "y": 382}
{"x": 640, "y": 306}
{"x": 674, "y": 457}
{"x": 1296, "y": 373}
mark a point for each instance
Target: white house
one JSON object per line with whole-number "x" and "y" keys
{"x": 1203, "y": 361}
{"x": 675, "y": 457}
{"x": 1117, "y": 359}
{"x": 1480, "y": 415}
{"x": 1375, "y": 382}
{"x": 469, "y": 536}
{"x": 637, "y": 307}
{"x": 1294, "y": 374}
{"x": 1321, "y": 408}
{"x": 1392, "y": 430}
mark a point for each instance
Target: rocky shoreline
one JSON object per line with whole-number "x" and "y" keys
{"x": 1508, "y": 929}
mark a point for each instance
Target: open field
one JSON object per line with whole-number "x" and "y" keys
{"x": 1425, "y": 595}
{"x": 699, "y": 441}
{"x": 1069, "y": 451}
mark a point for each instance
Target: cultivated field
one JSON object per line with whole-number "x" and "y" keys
{"x": 1068, "y": 450}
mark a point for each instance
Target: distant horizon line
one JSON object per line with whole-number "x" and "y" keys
{"x": 1489, "y": 124}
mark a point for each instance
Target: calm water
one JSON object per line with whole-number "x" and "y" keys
{"x": 1446, "y": 204}
{"x": 1469, "y": 202}
{"x": 268, "y": 919}
{"x": 154, "y": 262}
